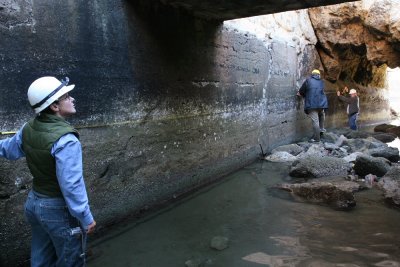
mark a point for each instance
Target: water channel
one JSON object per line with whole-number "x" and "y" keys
{"x": 262, "y": 229}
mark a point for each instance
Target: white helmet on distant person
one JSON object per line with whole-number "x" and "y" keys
{"x": 45, "y": 90}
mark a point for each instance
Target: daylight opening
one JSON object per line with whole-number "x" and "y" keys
{"x": 393, "y": 80}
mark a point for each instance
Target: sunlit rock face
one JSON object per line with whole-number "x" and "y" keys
{"x": 357, "y": 38}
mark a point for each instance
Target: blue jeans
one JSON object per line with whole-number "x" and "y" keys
{"x": 353, "y": 121}
{"x": 52, "y": 241}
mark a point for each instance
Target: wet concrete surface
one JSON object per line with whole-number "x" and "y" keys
{"x": 262, "y": 229}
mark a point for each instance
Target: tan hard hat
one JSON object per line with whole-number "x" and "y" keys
{"x": 315, "y": 72}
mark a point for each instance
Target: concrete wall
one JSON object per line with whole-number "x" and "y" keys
{"x": 166, "y": 103}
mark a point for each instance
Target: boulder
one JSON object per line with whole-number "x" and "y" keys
{"x": 330, "y": 137}
{"x": 219, "y": 242}
{"x": 323, "y": 192}
{"x": 388, "y": 128}
{"x": 194, "y": 263}
{"x": 280, "y": 156}
{"x": 315, "y": 167}
{"x": 385, "y": 137}
{"x": 383, "y": 127}
{"x": 315, "y": 150}
{"x": 293, "y": 149}
{"x": 394, "y": 130}
{"x": 330, "y": 146}
{"x": 353, "y": 156}
{"x": 390, "y": 153}
{"x": 339, "y": 153}
{"x": 371, "y": 165}
{"x": 390, "y": 184}
{"x": 362, "y": 145}
{"x": 341, "y": 140}
{"x": 358, "y": 134}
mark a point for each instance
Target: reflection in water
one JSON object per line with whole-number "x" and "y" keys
{"x": 263, "y": 230}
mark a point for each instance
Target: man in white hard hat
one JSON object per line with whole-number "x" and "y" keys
{"x": 315, "y": 103}
{"x": 353, "y": 106}
{"x": 57, "y": 207}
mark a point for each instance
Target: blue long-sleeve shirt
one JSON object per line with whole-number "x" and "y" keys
{"x": 67, "y": 152}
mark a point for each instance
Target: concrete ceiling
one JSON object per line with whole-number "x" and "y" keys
{"x": 233, "y": 9}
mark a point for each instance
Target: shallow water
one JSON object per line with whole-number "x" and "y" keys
{"x": 263, "y": 230}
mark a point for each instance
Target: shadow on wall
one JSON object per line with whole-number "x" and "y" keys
{"x": 168, "y": 51}
{"x": 184, "y": 65}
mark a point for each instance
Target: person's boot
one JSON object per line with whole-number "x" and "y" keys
{"x": 321, "y": 132}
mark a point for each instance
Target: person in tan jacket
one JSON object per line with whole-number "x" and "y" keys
{"x": 353, "y": 106}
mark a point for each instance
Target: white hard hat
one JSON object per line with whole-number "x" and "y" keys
{"x": 353, "y": 91}
{"x": 45, "y": 90}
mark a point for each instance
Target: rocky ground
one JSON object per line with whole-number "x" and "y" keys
{"x": 343, "y": 163}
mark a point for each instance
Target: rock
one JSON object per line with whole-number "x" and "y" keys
{"x": 293, "y": 149}
{"x": 339, "y": 153}
{"x": 323, "y": 192}
{"x": 387, "y": 263}
{"x": 353, "y": 156}
{"x": 335, "y": 151}
{"x": 358, "y": 134}
{"x": 390, "y": 184}
{"x": 390, "y": 153}
{"x": 219, "y": 242}
{"x": 315, "y": 150}
{"x": 281, "y": 156}
{"x": 342, "y": 183}
{"x": 370, "y": 165}
{"x": 193, "y": 263}
{"x": 363, "y": 144}
{"x": 385, "y": 137}
{"x": 383, "y": 127}
{"x": 340, "y": 140}
{"x": 315, "y": 166}
{"x": 329, "y": 137}
{"x": 330, "y": 146}
{"x": 394, "y": 130}
{"x": 375, "y": 143}
{"x": 388, "y": 128}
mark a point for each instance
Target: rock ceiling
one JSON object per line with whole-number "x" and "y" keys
{"x": 234, "y": 9}
{"x": 355, "y": 39}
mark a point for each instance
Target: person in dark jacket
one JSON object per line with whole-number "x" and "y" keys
{"x": 353, "y": 106}
{"x": 315, "y": 103}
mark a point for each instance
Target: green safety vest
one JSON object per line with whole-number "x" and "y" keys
{"x": 38, "y": 137}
